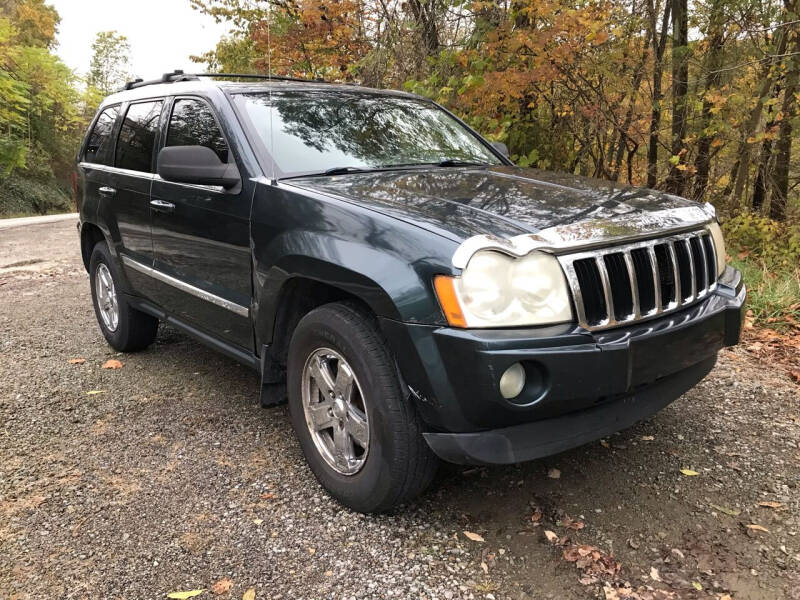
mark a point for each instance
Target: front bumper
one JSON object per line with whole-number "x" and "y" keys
{"x": 579, "y": 385}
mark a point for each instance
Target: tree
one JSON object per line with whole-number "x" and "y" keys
{"x": 676, "y": 180}
{"x": 108, "y": 70}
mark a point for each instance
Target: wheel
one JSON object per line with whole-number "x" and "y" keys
{"x": 125, "y": 328}
{"x": 361, "y": 437}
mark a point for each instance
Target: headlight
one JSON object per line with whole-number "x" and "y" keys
{"x": 719, "y": 246}
{"x": 496, "y": 290}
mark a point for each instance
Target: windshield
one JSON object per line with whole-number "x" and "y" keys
{"x": 318, "y": 131}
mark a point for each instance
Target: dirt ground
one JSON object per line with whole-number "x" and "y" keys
{"x": 165, "y": 475}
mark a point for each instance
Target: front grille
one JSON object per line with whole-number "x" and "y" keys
{"x": 624, "y": 284}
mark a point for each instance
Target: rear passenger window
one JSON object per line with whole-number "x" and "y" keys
{"x": 192, "y": 124}
{"x": 98, "y": 148}
{"x": 137, "y": 137}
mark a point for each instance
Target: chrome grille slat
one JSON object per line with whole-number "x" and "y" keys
{"x": 601, "y": 267}
{"x": 692, "y": 273}
{"x": 651, "y": 252}
{"x": 676, "y": 275}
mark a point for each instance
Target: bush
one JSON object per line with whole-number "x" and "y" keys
{"x": 775, "y": 245}
{"x": 23, "y": 196}
{"x": 768, "y": 255}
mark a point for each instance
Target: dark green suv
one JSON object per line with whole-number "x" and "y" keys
{"x": 414, "y": 294}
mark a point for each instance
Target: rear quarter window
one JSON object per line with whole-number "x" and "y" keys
{"x": 137, "y": 137}
{"x": 98, "y": 147}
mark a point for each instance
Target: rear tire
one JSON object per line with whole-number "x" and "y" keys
{"x": 125, "y": 328}
{"x": 397, "y": 464}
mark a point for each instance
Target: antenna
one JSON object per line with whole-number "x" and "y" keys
{"x": 269, "y": 82}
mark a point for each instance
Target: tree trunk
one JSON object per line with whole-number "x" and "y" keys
{"x": 659, "y": 45}
{"x": 425, "y": 15}
{"x": 713, "y": 64}
{"x": 761, "y": 184}
{"x": 676, "y": 180}
{"x": 638, "y": 74}
{"x": 743, "y": 155}
{"x": 783, "y": 150}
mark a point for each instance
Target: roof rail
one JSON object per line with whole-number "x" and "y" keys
{"x": 257, "y": 76}
{"x": 176, "y": 75}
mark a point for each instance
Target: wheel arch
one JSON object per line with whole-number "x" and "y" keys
{"x": 91, "y": 234}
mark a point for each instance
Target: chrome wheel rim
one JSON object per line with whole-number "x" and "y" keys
{"x": 335, "y": 411}
{"x": 107, "y": 302}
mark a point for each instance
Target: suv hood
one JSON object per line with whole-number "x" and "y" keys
{"x": 506, "y": 202}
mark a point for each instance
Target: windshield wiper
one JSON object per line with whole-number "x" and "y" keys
{"x": 454, "y": 162}
{"x": 343, "y": 170}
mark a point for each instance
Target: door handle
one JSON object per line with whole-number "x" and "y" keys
{"x": 162, "y": 206}
{"x": 108, "y": 192}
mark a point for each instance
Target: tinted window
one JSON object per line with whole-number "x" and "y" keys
{"x": 137, "y": 137}
{"x": 98, "y": 148}
{"x": 316, "y": 131}
{"x": 193, "y": 124}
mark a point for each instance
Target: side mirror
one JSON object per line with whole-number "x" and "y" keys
{"x": 501, "y": 148}
{"x": 196, "y": 164}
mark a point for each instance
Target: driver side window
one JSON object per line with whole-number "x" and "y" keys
{"x": 193, "y": 124}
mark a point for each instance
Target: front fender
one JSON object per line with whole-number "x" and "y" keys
{"x": 385, "y": 262}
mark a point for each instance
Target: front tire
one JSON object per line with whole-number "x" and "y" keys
{"x": 125, "y": 328}
{"x": 361, "y": 437}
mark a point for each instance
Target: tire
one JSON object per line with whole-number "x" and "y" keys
{"x": 398, "y": 465}
{"x": 133, "y": 330}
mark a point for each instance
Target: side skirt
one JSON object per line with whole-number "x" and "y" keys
{"x": 246, "y": 358}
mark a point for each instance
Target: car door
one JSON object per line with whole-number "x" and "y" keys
{"x": 96, "y": 168}
{"x": 134, "y": 160}
{"x": 201, "y": 235}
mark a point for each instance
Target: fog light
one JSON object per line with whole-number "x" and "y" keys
{"x": 512, "y": 381}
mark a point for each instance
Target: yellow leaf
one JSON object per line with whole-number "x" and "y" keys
{"x": 250, "y": 594}
{"x": 95, "y": 392}
{"x": 474, "y": 536}
{"x": 770, "y": 504}
{"x": 112, "y": 364}
{"x": 184, "y": 595}
{"x": 697, "y": 586}
{"x": 755, "y": 527}
{"x": 551, "y": 536}
{"x": 689, "y": 472}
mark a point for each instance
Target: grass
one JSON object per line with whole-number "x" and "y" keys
{"x": 773, "y": 296}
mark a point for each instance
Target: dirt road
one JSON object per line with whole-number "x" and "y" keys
{"x": 165, "y": 476}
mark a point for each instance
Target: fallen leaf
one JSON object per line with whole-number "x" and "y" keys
{"x": 605, "y": 444}
{"x": 112, "y": 363}
{"x": 267, "y": 496}
{"x": 258, "y": 521}
{"x": 223, "y": 586}
{"x": 689, "y": 472}
{"x": 537, "y": 515}
{"x": 184, "y": 595}
{"x": 728, "y": 511}
{"x": 312, "y": 550}
{"x": 474, "y": 536}
{"x": 551, "y": 536}
{"x": 654, "y": 575}
{"x": 76, "y": 361}
{"x": 250, "y": 594}
{"x": 633, "y": 544}
{"x": 648, "y": 438}
{"x": 485, "y": 568}
{"x": 754, "y": 527}
{"x": 95, "y": 392}
{"x": 697, "y": 586}
{"x": 770, "y": 504}
{"x": 570, "y": 524}
{"x": 554, "y": 474}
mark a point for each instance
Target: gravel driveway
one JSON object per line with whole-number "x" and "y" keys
{"x": 165, "y": 475}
